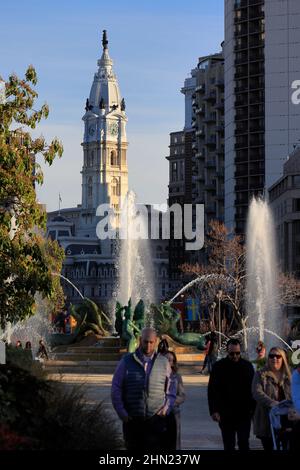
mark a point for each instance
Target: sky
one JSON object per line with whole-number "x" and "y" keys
{"x": 154, "y": 45}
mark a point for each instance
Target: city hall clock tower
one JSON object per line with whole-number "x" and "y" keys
{"x": 104, "y": 171}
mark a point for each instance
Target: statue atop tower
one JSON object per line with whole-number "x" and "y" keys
{"x": 104, "y": 40}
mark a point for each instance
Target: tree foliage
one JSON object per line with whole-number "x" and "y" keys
{"x": 26, "y": 258}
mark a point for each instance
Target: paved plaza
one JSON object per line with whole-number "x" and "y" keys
{"x": 198, "y": 430}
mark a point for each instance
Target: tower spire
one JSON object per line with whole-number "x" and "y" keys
{"x": 104, "y": 40}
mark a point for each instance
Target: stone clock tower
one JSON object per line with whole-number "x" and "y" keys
{"x": 104, "y": 172}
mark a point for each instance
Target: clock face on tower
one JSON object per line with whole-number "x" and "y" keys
{"x": 114, "y": 128}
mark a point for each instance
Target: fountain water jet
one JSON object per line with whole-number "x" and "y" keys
{"x": 68, "y": 280}
{"x": 263, "y": 307}
{"x": 136, "y": 277}
{"x": 198, "y": 280}
{"x": 33, "y": 328}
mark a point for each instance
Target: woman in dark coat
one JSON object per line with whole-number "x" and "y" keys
{"x": 270, "y": 385}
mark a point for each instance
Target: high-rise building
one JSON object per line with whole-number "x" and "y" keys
{"x": 208, "y": 171}
{"x": 196, "y": 160}
{"x": 262, "y": 124}
{"x": 182, "y": 149}
{"x": 177, "y": 195}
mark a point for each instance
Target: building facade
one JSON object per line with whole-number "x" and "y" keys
{"x": 262, "y": 124}
{"x": 177, "y": 179}
{"x": 181, "y": 156}
{"x": 284, "y": 197}
{"x": 196, "y": 159}
{"x": 208, "y": 171}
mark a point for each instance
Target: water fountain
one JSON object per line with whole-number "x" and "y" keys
{"x": 201, "y": 280}
{"x": 263, "y": 313}
{"x": 262, "y": 301}
{"x": 135, "y": 266}
{"x": 32, "y": 329}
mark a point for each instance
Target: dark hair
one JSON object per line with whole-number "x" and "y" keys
{"x": 28, "y": 345}
{"x": 233, "y": 341}
{"x": 163, "y": 346}
{"x": 175, "y": 364}
{"x": 260, "y": 346}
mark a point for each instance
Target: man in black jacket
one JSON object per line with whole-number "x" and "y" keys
{"x": 230, "y": 399}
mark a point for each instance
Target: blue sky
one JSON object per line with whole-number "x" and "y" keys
{"x": 154, "y": 46}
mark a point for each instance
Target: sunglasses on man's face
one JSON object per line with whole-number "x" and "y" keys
{"x": 238, "y": 353}
{"x": 275, "y": 356}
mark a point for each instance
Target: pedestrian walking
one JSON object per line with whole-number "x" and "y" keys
{"x": 42, "y": 351}
{"x": 229, "y": 397}
{"x": 143, "y": 394}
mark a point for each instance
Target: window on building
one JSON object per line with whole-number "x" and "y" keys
{"x": 203, "y": 65}
{"x": 90, "y": 161}
{"x": 115, "y": 187}
{"x": 174, "y": 171}
{"x": 63, "y": 233}
{"x": 182, "y": 171}
{"x": 296, "y": 181}
{"x": 90, "y": 187}
{"x": 113, "y": 158}
{"x": 296, "y": 205}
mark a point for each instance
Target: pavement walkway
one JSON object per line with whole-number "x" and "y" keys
{"x": 198, "y": 431}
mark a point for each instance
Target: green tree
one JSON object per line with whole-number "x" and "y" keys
{"x": 26, "y": 258}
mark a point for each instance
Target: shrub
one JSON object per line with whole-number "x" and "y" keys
{"x": 42, "y": 414}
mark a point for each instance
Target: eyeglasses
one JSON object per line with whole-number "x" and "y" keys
{"x": 273, "y": 356}
{"x": 231, "y": 354}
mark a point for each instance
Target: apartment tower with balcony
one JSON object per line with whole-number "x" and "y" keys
{"x": 262, "y": 123}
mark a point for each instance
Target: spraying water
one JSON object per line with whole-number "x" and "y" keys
{"x": 135, "y": 266}
{"x": 199, "y": 280}
{"x": 34, "y": 328}
{"x": 68, "y": 280}
{"x": 263, "y": 307}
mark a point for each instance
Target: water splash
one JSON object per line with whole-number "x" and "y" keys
{"x": 135, "y": 266}
{"x": 34, "y": 328}
{"x": 262, "y": 302}
{"x": 201, "y": 279}
{"x": 255, "y": 332}
{"x": 68, "y": 280}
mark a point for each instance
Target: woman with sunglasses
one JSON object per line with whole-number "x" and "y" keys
{"x": 270, "y": 385}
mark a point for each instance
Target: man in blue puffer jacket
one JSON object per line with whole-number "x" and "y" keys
{"x": 143, "y": 394}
